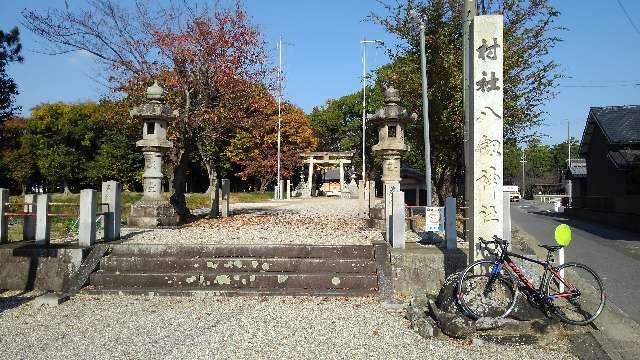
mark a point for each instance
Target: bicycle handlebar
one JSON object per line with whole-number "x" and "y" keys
{"x": 496, "y": 240}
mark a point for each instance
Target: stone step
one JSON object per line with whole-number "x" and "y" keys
{"x": 220, "y": 280}
{"x": 241, "y": 251}
{"x": 227, "y": 264}
{"x": 198, "y": 292}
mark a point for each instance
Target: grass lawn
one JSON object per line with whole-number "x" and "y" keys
{"x": 62, "y": 226}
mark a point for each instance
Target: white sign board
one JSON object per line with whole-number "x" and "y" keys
{"x": 434, "y": 219}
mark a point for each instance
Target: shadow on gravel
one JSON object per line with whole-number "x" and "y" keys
{"x": 264, "y": 211}
{"x": 14, "y": 301}
{"x": 597, "y": 229}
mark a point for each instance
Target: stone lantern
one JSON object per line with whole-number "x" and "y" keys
{"x": 391, "y": 120}
{"x": 152, "y": 210}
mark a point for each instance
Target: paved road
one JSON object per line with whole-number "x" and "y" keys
{"x": 614, "y": 254}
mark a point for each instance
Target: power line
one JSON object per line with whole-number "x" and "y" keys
{"x": 598, "y": 86}
{"x": 626, "y": 13}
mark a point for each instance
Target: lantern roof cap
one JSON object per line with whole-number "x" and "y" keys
{"x": 391, "y": 111}
{"x": 155, "y": 91}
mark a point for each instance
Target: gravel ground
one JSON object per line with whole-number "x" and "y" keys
{"x": 114, "y": 327}
{"x": 317, "y": 221}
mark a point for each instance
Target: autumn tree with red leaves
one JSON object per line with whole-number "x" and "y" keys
{"x": 254, "y": 147}
{"x": 213, "y": 64}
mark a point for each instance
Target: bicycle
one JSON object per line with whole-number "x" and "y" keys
{"x": 572, "y": 292}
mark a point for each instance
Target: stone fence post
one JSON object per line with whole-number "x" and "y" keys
{"x": 288, "y": 192}
{"x": 29, "y": 224}
{"x": 450, "y": 231}
{"x": 111, "y": 202}
{"x": 506, "y": 224}
{"x": 4, "y": 221}
{"x": 43, "y": 223}
{"x": 371, "y": 187}
{"x": 397, "y": 220}
{"x": 215, "y": 199}
{"x": 87, "y": 228}
{"x": 281, "y": 190}
{"x": 362, "y": 191}
{"x": 226, "y": 190}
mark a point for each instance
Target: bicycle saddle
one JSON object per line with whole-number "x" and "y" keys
{"x": 551, "y": 248}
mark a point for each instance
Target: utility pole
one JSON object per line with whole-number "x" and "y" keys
{"x": 523, "y": 161}
{"x": 569, "y": 142}
{"x": 279, "y": 113}
{"x": 364, "y": 43}
{"x": 469, "y": 11}
{"x": 425, "y": 104}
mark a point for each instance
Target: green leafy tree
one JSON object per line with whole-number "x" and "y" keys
{"x": 21, "y": 165}
{"x": 539, "y": 165}
{"x": 10, "y": 49}
{"x": 560, "y": 154}
{"x": 338, "y": 125}
{"x": 512, "y": 167}
{"x": 116, "y": 159}
{"x": 63, "y": 138}
{"x": 11, "y": 132}
{"x": 530, "y": 75}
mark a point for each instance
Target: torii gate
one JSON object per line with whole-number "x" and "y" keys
{"x": 324, "y": 159}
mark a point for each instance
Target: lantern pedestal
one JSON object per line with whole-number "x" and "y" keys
{"x": 151, "y": 214}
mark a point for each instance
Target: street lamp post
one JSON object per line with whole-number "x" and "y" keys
{"x": 425, "y": 104}
{"x": 278, "y": 187}
{"x": 364, "y": 43}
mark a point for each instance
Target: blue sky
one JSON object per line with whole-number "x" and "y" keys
{"x": 600, "y": 55}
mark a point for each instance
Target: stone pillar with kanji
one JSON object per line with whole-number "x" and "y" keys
{"x": 485, "y": 180}
{"x": 152, "y": 210}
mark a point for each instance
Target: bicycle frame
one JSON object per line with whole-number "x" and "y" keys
{"x": 549, "y": 270}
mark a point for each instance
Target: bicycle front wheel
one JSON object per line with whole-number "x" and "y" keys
{"x": 486, "y": 289}
{"x": 575, "y": 293}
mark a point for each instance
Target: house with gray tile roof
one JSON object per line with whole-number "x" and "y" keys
{"x": 609, "y": 188}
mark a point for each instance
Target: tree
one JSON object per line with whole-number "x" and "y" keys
{"x": 254, "y": 147}
{"x": 10, "y": 49}
{"x": 210, "y": 61}
{"x": 530, "y": 75}
{"x": 560, "y": 154}
{"x": 539, "y": 160}
{"x": 338, "y": 125}
{"x": 116, "y": 159}
{"x": 21, "y": 165}
{"x": 512, "y": 155}
{"x": 16, "y": 159}
{"x": 63, "y": 138}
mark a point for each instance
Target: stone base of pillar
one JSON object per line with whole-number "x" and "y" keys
{"x": 152, "y": 214}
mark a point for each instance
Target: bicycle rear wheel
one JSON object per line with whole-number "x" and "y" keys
{"x": 483, "y": 293}
{"x": 576, "y": 297}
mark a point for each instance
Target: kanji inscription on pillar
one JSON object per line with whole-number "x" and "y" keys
{"x": 486, "y": 134}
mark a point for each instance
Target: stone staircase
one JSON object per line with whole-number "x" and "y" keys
{"x": 348, "y": 270}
